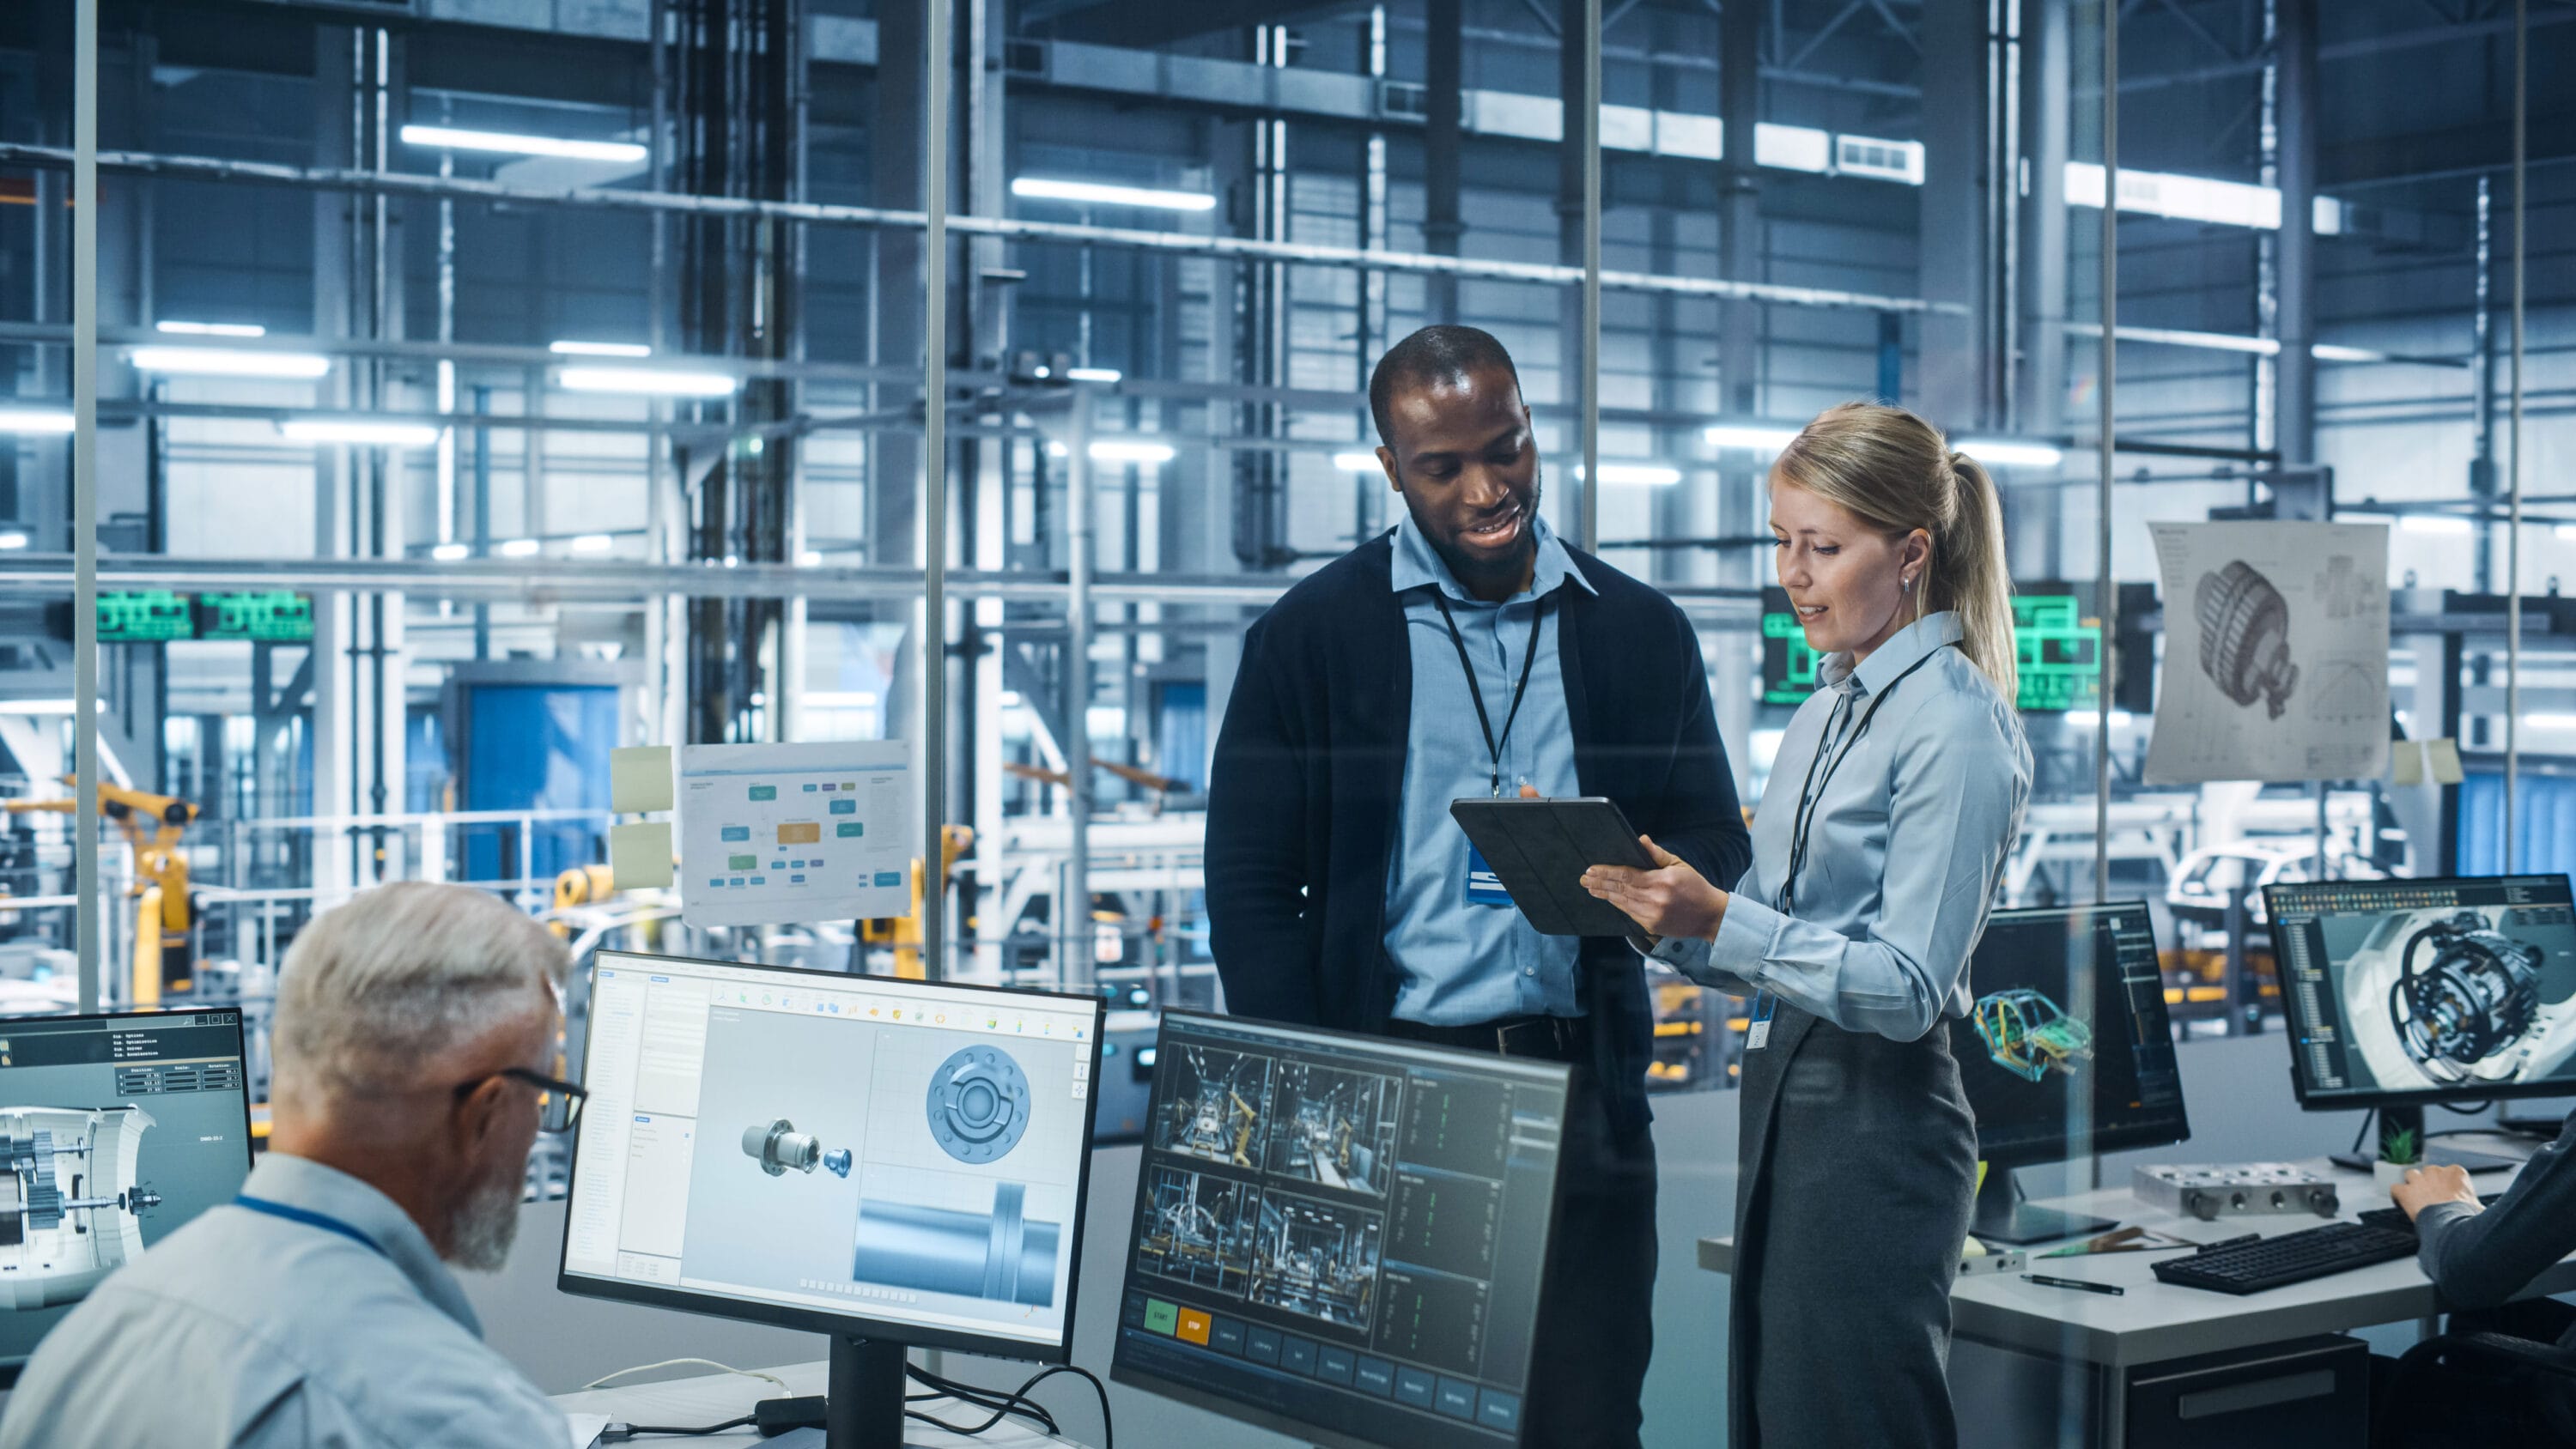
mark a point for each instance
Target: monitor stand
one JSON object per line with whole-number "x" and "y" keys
{"x": 2428, "y": 1153}
{"x": 2005, "y": 1216}
{"x": 863, "y": 1398}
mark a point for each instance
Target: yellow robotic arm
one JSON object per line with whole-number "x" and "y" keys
{"x": 164, "y": 952}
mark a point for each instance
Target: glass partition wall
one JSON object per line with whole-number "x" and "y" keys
{"x": 471, "y": 399}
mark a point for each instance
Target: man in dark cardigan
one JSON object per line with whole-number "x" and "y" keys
{"x": 1465, "y": 653}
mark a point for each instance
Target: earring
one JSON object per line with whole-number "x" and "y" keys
{"x": 1906, "y": 583}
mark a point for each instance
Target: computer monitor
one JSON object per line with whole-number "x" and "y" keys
{"x": 2407, "y": 992}
{"x": 2066, "y": 1052}
{"x": 1341, "y": 1238}
{"x": 889, "y": 1162}
{"x": 117, "y": 1130}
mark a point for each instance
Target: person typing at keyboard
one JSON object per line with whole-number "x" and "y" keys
{"x": 2480, "y": 1258}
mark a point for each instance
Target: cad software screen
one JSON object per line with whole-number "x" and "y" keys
{"x": 116, "y": 1130}
{"x": 1344, "y": 1233}
{"x": 2449, "y": 987}
{"x": 854, "y": 1146}
{"x": 2067, "y": 1050}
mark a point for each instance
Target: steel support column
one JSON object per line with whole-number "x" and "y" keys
{"x": 2294, "y": 397}
{"x": 1955, "y": 363}
{"x": 1444, "y": 91}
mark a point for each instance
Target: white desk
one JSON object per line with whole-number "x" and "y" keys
{"x": 714, "y": 1398}
{"x": 2156, "y": 1322}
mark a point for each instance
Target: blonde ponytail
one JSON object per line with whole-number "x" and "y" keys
{"x": 1968, "y": 558}
{"x": 1897, "y": 471}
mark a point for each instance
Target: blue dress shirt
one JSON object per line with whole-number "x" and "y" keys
{"x": 1462, "y": 963}
{"x": 248, "y": 1330}
{"x": 1906, "y": 841}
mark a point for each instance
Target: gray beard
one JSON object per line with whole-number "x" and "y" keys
{"x": 485, "y": 1224}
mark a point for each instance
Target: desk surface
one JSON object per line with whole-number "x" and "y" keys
{"x": 714, "y": 1398}
{"x": 2157, "y": 1321}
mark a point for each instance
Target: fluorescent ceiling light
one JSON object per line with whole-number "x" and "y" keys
{"x": 359, "y": 430}
{"x": 39, "y": 706}
{"x": 592, "y": 543}
{"x": 2550, "y": 721}
{"x": 1041, "y": 189}
{"x": 34, "y": 420}
{"x": 810, "y": 559}
{"x": 1357, "y": 462}
{"x": 1093, "y": 374}
{"x": 450, "y": 138}
{"x": 1999, "y": 452}
{"x": 221, "y": 362}
{"x": 13, "y": 538}
{"x": 1792, "y": 148}
{"x": 520, "y": 548}
{"x": 2565, "y": 530}
{"x": 1120, "y": 450}
{"x": 449, "y": 552}
{"x": 569, "y": 348}
{"x": 648, "y": 381}
{"x": 2433, "y": 523}
{"x": 212, "y": 329}
{"x": 1749, "y": 435}
{"x": 1652, "y": 475}
{"x": 2331, "y": 352}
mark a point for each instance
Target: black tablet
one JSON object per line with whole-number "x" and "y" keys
{"x": 1539, "y": 850}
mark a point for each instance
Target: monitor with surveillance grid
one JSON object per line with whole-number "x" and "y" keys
{"x": 1341, "y": 1238}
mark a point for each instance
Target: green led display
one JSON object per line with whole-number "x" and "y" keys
{"x": 151, "y": 616}
{"x": 275, "y": 616}
{"x": 2059, "y": 653}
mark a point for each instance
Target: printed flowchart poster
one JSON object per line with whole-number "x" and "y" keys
{"x": 2276, "y": 652}
{"x": 786, "y": 833}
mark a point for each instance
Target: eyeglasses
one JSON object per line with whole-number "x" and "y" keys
{"x": 560, "y": 1102}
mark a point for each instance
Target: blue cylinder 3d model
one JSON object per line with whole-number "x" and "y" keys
{"x": 1000, "y": 1255}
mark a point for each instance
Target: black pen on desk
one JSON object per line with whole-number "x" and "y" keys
{"x": 2113, "y": 1289}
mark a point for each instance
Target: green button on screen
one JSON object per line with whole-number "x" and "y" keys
{"x": 1161, "y": 1317}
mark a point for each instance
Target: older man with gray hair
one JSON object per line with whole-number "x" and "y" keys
{"x": 415, "y": 1028}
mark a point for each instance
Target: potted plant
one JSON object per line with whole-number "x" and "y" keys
{"x": 2398, "y": 1151}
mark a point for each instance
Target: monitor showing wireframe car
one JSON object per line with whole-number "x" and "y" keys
{"x": 1341, "y": 1238}
{"x": 2066, "y": 1052}
{"x": 2404, "y": 992}
{"x": 117, "y": 1130}
{"x": 895, "y": 1161}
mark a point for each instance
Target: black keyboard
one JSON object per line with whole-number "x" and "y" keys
{"x": 2395, "y": 1217}
{"x": 2289, "y": 1258}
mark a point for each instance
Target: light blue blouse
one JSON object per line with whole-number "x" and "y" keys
{"x": 1906, "y": 839}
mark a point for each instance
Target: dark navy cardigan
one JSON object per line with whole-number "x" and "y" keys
{"x": 1309, "y": 776}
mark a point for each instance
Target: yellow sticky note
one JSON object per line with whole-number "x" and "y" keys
{"x": 2406, "y": 762}
{"x": 639, "y": 856}
{"x": 2442, "y": 760}
{"x": 639, "y": 779}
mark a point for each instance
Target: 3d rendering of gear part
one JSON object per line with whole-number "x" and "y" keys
{"x": 979, "y": 1104}
{"x": 2245, "y": 636}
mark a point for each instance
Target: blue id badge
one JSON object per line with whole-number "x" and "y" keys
{"x": 1484, "y": 888}
{"x": 1757, "y": 1035}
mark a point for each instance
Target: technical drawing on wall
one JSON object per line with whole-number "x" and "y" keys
{"x": 70, "y": 1214}
{"x": 2276, "y": 652}
{"x": 772, "y": 833}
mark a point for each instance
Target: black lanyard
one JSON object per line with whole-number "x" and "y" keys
{"x": 1811, "y": 794}
{"x": 1476, "y": 690}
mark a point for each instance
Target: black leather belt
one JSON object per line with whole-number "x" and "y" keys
{"x": 1549, "y": 1038}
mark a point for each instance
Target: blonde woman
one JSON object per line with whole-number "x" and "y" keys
{"x": 1896, "y": 794}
